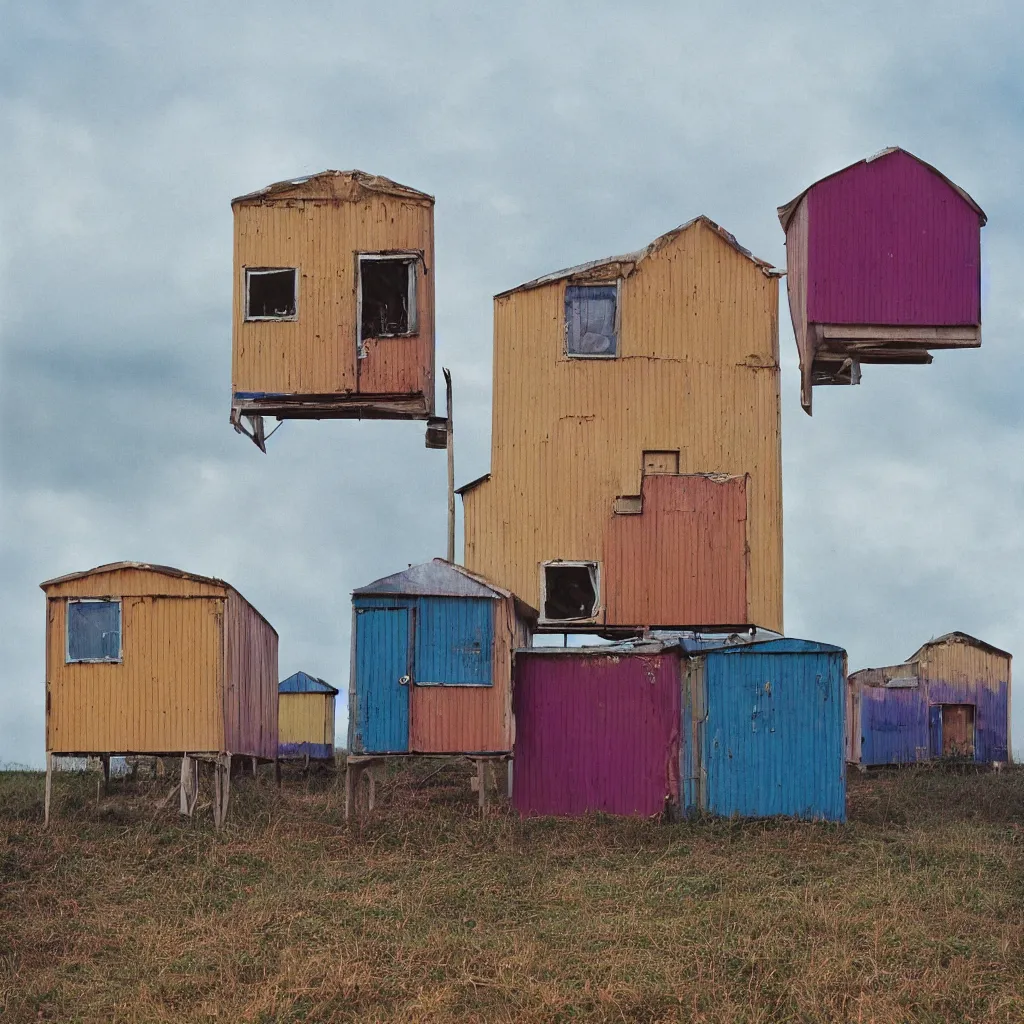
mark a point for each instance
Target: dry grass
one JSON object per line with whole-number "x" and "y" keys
{"x": 120, "y": 912}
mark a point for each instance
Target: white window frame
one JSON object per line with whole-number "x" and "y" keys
{"x": 589, "y": 563}
{"x": 249, "y": 271}
{"x": 68, "y": 660}
{"x": 617, "y": 285}
{"x": 411, "y": 257}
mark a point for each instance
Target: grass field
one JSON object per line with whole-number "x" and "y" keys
{"x": 914, "y": 911}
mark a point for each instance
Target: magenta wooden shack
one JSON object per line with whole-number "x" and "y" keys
{"x": 883, "y": 265}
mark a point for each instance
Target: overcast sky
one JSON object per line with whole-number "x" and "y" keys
{"x": 550, "y": 134}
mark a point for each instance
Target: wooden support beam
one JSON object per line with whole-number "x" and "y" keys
{"x": 47, "y": 791}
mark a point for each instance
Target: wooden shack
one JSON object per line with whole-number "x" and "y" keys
{"x": 146, "y": 659}
{"x": 305, "y": 718}
{"x": 883, "y": 262}
{"x": 635, "y": 451}
{"x": 949, "y": 699}
{"x": 333, "y": 301}
{"x": 432, "y": 663}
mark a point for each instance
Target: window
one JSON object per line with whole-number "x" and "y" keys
{"x": 570, "y": 590}
{"x": 94, "y": 631}
{"x": 591, "y": 320}
{"x": 271, "y": 294}
{"x": 387, "y": 296}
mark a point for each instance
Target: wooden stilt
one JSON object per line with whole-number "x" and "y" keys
{"x": 481, "y": 783}
{"x": 226, "y": 795}
{"x": 277, "y": 771}
{"x": 46, "y": 792}
{"x": 254, "y": 767}
{"x": 105, "y": 763}
{"x": 350, "y": 778}
{"x": 372, "y": 776}
{"x": 189, "y": 792}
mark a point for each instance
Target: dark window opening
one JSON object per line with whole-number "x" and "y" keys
{"x": 270, "y": 294}
{"x": 387, "y": 288}
{"x": 590, "y": 314}
{"x": 94, "y": 631}
{"x": 570, "y": 591}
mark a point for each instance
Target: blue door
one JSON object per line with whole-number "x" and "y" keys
{"x": 382, "y": 681}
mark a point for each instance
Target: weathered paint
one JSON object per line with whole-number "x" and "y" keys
{"x": 461, "y": 635}
{"x": 306, "y": 725}
{"x": 772, "y": 741}
{"x": 683, "y": 559}
{"x": 596, "y": 732}
{"x": 697, "y": 372}
{"x": 382, "y": 667}
{"x": 902, "y": 724}
{"x": 193, "y": 675}
{"x": 319, "y": 225}
{"x": 890, "y": 248}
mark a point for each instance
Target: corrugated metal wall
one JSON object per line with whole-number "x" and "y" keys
{"x": 464, "y": 643}
{"x": 316, "y": 354}
{"x": 796, "y": 287}
{"x": 683, "y": 560}
{"x": 250, "y": 692}
{"x": 698, "y": 372}
{"x": 596, "y": 733}
{"x": 891, "y": 243}
{"x": 893, "y": 725}
{"x": 773, "y": 740}
{"x": 165, "y": 695}
{"x": 306, "y": 724}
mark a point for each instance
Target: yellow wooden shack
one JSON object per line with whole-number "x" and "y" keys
{"x": 333, "y": 301}
{"x": 635, "y": 448}
{"x": 305, "y": 718}
{"x": 146, "y": 659}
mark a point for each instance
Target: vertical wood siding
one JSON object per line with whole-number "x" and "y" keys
{"x": 165, "y": 694}
{"x": 891, "y": 243}
{"x": 305, "y": 724}
{"x": 683, "y": 560}
{"x": 596, "y": 733}
{"x": 250, "y": 691}
{"x": 316, "y": 354}
{"x": 796, "y": 288}
{"x": 697, "y": 371}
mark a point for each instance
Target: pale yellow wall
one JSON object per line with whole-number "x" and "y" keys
{"x": 305, "y": 718}
{"x": 316, "y": 354}
{"x": 698, "y": 370}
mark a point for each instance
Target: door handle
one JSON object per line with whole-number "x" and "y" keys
{"x": 403, "y": 681}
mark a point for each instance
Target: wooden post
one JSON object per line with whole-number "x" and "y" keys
{"x": 481, "y": 784}
{"x": 254, "y": 767}
{"x": 225, "y": 803}
{"x": 277, "y": 771}
{"x": 350, "y": 789}
{"x": 105, "y": 762}
{"x": 46, "y": 792}
{"x": 371, "y": 775}
{"x": 451, "y": 464}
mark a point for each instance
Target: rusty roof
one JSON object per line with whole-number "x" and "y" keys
{"x": 165, "y": 570}
{"x": 956, "y": 637}
{"x": 623, "y": 266}
{"x": 786, "y": 212}
{"x": 350, "y": 185}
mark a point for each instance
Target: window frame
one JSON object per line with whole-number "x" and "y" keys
{"x": 68, "y": 660}
{"x": 586, "y": 563}
{"x": 617, "y": 285}
{"x": 412, "y": 258}
{"x": 249, "y": 271}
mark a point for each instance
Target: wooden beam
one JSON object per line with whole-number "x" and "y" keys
{"x": 47, "y": 791}
{"x": 968, "y": 336}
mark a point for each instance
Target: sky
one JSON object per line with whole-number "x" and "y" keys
{"x": 551, "y": 134}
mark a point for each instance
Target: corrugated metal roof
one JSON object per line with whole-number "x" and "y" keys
{"x": 312, "y": 183}
{"x": 166, "y": 570}
{"x": 302, "y": 682}
{"x": 786, "y": 212}
{"x": 437, "y": 578}
{"x": 956, "y": 637}
{"x": 623, "y": 265}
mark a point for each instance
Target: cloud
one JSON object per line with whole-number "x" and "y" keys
{"x": 548, "y": 139}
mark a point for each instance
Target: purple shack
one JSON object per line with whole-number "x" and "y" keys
{"x": 951, "y": 698}
{"x": 883, "y": 265}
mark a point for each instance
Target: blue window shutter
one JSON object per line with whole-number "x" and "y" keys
{"x": 590, "y": 320}
{"x": 94, "y": 631}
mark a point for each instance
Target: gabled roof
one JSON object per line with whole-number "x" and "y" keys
{"x": 956, "y": 637}
{"x": 436, "y": 578}
{"x": 302, "y": 682}
{"x": 466, "y": 488}
{"x": 165, "y": 570}
{"x": 623, "y": 266}
{"x": 350, "y": 185}
{"x": 786, "y": 212}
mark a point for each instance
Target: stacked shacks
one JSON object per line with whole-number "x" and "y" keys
{"x": 950, "y": 698}
{"x": 146, "y": 659}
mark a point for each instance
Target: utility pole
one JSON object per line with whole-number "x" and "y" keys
{"x": 441, "y": 434}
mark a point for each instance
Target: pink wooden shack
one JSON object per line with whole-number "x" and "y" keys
{"x": 883, "y": 265}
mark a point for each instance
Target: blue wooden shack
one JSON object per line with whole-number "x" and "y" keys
{"x": 432, "y": 662}
{"x": 305, "y": 718}
{"x": 763, "y": 730}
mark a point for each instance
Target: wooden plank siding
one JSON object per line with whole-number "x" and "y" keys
{"x": 697, "y": 372}
{"x": 306, "y": 718}
{"x": 250, "y": 690}
{"x": 315, "y": 354}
